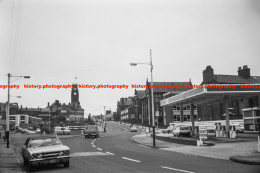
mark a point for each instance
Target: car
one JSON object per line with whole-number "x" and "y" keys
{"x": 38, "y": 130}
{"x": 168, "y": 130}
{"x": 91, "y": 130}
{"x": 240, "y": 128}
{"x": 181, "y": 130}
{"x": 62, "y": 130}
{"x": 133, "y": 128}
{"x": 42, "y": 150}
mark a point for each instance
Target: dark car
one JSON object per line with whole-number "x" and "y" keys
{"x": 91, "y": 130}
{"x": 43, "y": 150}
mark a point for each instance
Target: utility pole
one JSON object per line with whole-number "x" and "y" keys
{"x": 7, "y": 113}
{"x": 104, "y": 118}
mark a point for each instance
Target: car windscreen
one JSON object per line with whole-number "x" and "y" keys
{"x": 90, "y": 127}
{"x": 44, "y": 142}
{"x": 184, "y": 128}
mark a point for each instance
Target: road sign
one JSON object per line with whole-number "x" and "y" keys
{"x": 203, "y": 132}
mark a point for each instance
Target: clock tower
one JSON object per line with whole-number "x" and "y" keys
{"x": 75, "y": 95}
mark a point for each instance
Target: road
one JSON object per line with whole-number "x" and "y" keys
{"x": 115, "y": 152}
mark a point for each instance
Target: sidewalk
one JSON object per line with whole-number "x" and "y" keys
{"x": 9, "y": 163}
{"x": 245, "y": 151}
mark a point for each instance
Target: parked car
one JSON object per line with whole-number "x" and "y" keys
{"x": 62, "y": 130}
{"x": 43, "y": 150}
{"x": 133, "y": 128}
{"x": 91, "y": 130}
{"x": 240, "y": 128}
{"x": 181, "y": 131}
{"x": 168, "y": 130}
{"x": 38, "y": 130}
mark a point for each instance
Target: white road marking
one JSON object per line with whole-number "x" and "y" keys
{"x": 176, "y": 169}
{"x": 99, "y": 148}
{"x": 93, "y": 145}
{"x": 110, "y": 153}
{"x": 80, "y": 154}
{"x": 130, "y": 159}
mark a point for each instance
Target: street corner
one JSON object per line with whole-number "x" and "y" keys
{"x": 253, "y": 159}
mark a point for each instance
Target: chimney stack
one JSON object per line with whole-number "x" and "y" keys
{"x": 245, "y": 72}
{"x": 208, "y": 75}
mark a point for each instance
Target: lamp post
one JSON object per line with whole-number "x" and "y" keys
{"x": 151, "y": 65}
{"x": 104, "y": 118}
{"x": 7, "y": 106}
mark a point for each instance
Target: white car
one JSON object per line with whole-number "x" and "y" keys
{"x": 240, "y": 128}
{"x": 43, "y": 150}
{"x": 38, "y": 130}
{"x": 133, "y": 128}
{"x": 62, "y": 131}
{"x": 168, "y": 130}
{"x": 181, "y": 130}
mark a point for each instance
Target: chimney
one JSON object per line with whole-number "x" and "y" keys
{"x": 208, "y": 75}
{"x": 48, "y": 104}
{"x": 245, "y": 72}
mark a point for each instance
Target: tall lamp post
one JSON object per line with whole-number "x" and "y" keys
{"x": 7, "y": 106}
{"x": 104, "y": 118}
{"x": 151, "y": 65}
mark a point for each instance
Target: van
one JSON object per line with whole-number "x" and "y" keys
{"x": 62, "y": 130}
{"x": 181, "y": 130}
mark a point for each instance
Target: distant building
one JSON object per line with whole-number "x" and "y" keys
{"x": 121, "y": 105}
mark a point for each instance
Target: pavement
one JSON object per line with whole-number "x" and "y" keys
{"x": 9, "y": 163}
{"x": 241, "y": 151}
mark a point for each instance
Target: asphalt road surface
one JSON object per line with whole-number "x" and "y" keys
{"x": 114, "y": 152}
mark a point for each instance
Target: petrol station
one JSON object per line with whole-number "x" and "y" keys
{"x": 221, "y": 93}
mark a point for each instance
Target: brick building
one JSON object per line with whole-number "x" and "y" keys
{"x": 216, "y": 111}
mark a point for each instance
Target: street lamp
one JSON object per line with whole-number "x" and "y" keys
{"x": 7, "y": 105}
{"x": 151, "y": 65}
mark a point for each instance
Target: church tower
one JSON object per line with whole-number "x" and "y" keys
{"x": 75, "y": 96}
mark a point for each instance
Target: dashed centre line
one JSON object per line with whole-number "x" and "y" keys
{"x": 99, "y": 148}
{"x": 174, "y": 169}
{"x": 131, "y": 159}
{"x": 110, "y": 153}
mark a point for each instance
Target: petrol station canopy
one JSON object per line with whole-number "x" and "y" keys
{"x": 212, "y": 93}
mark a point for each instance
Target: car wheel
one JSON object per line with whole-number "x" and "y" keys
{"x": 24, "y": 162}
{"x": 67, "y": 164}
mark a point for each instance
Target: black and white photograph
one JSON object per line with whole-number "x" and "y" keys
{"x": 130, "y": 86}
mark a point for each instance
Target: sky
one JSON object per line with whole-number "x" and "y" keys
{"x": 56, "y": 41}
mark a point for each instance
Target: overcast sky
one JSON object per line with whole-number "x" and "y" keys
{"x": 95, "y": 40}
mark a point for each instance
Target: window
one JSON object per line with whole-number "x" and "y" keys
{"x": 12, "y": 118}
{"x": 22, "y": 117}
{"x": 186, "y": 117}
{"x": 176, "y": 118}
{"x": 174, "y": 108}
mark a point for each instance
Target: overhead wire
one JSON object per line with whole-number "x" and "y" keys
{"x": 16, "y": 36}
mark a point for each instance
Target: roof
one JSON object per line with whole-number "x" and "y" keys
{"x": 234, "y": 79}
{"x": 213, "y": 94}
{"x": 43, "y": 137}
{"x": 169, "y": 86}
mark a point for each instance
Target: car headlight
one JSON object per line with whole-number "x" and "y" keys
{"x": 63, "y": 153}
{"x": 36, "y": 156}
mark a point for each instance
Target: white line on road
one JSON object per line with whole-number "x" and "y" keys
{"x": 110, "y": 153}
{"x": 130, "y": 159}
{"x": 93, "y": 145}
{"x": 99, "y": 148}
{"x": 176, "y": 169}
